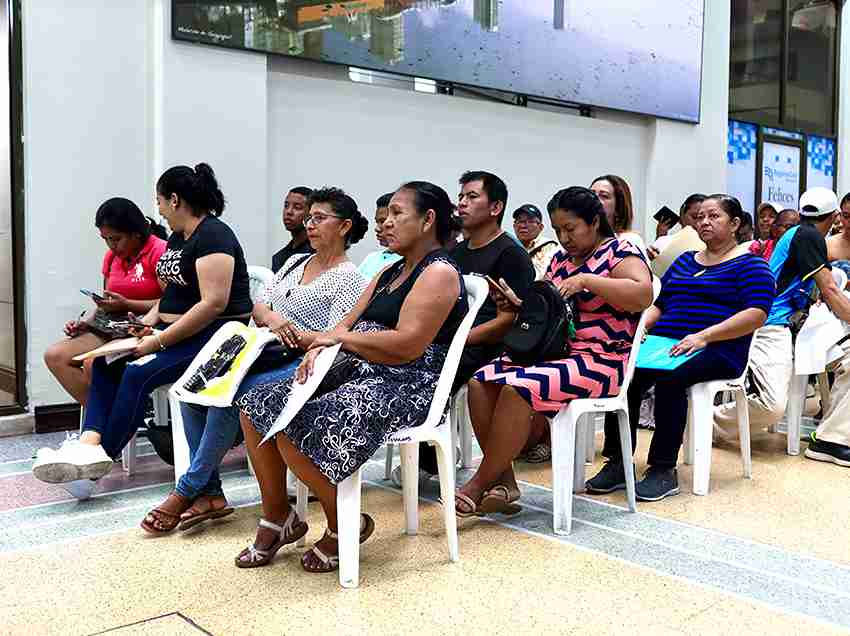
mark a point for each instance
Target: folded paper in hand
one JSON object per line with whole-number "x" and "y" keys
{"x": 655, "y": 354}
{"x": 300, "y": 394}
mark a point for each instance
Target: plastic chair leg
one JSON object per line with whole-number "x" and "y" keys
{"x": 689, "y": 435}
{"x": 182, "y": 456}
{"x": 823, "y": 389}
{"x": 128, "y": 457}
{"x": 348, "y": 528}
{"x": 388, "y": 463}
{"x": 410, "y": 485}
{"x": 703, "y": 426}
{"x": 794, "y": 413}
{"x": 628, "y": 460}
{"x": 563, "y": 457}
{"x": 590, "y": 437}
{"x": 160, "y": 405}
{"x": 460, "y": 417}
{"x": 744, "y": 432}
{"x": 251, "y": 467}
{"x": 301, "y": 497}
{"x": 583, "y": 423}
{"x": 82, "y": 417}
{"x": 446, "y": 468}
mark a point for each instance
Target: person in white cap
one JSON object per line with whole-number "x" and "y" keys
{"x": 766, "y": 214}
{"x": 799, "y": 263}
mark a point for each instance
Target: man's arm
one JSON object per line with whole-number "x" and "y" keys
{"x": 832, "y": 296}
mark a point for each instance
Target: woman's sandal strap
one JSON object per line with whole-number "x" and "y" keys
{"x": 273, "y": 526}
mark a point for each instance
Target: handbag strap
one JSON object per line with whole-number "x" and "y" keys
{"x": 295, "y": 265}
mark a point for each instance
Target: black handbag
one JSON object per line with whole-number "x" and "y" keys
{"x": 543, "y": 326}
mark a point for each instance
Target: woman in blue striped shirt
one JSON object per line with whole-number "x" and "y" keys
{"x": 711, "y": 302}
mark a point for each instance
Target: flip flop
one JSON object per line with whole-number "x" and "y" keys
{"x": 200, "y": 516}
{"x": 497, "y": 500}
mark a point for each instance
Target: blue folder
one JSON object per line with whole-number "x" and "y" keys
{"x": 655, "y": 354}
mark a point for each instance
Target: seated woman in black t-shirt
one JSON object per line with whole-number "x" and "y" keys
{"x": 206, "y": 281}
{"x": 396, "y": 339}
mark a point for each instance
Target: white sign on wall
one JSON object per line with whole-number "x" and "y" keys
{"x": 780, "y": 174}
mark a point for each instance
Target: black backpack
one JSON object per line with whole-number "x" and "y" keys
{"x": 543, "y": 327}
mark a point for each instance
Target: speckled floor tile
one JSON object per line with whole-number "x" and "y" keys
{"x": 506, "y": 582}
{"x": 791, "y": 502}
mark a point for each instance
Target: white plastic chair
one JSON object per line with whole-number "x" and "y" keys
{"x": 569, "y": 439}
{"x": 259, "y": 277}
{"x": 700, "y": 426}
{"x": 840, "y": 278}
{"x": 438, "y": 431}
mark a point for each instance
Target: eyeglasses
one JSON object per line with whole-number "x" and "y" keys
{"x": 316, "y": 219}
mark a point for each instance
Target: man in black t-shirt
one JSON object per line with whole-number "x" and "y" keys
{"x": 294, "y": 209}
{"x": 489, "y": 251}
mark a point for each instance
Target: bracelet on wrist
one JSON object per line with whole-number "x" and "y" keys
{"x": 159, "y": 340}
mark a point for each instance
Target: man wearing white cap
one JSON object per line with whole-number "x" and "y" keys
{"x": 799, "y": 262}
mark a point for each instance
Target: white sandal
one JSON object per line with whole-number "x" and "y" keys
{"x": 331, "y": 562}
{"x": 292, "y": 530}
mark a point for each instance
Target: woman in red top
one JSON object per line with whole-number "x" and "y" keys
{"x": 129, "y": 281}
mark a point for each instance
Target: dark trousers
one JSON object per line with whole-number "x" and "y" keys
{"x": 472, "y": 359}
{"x": 116, "y": 406}
{"x": 671, "y": 406}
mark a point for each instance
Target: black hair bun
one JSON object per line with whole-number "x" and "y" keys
{"x": 359, "y": 227}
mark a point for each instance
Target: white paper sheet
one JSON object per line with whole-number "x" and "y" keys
{"x": 301, "y": 393}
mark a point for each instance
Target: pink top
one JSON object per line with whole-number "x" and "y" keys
{"x": 135, "y": 279}
{"x": 763, "y": 248}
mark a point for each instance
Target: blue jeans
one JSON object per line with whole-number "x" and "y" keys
{"x": 211, "y": 431}
{"x": 118, "y": 392}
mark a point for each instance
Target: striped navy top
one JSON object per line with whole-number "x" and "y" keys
{"x": 694, "y": 297}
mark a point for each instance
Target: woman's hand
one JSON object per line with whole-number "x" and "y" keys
{"x": 113, "y": 303}
{"x": 689, "y": 344}
{"x": 146, "y": 346}
{"x": 571, "y": 286}
{"x": 283, "y": 329}
{"x": 652, "y": 253}
{"x": 74, "y": 328}
{"x": 664, "y": 227}
{"x": 305, "y": 369}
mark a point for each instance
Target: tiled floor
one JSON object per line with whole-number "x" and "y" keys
{"x": 769, "y": 555}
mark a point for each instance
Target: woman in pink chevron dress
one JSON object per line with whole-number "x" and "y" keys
{"x": 612, "y": 284}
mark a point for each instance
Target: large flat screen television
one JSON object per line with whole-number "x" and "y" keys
{"x": 641, "y": 56}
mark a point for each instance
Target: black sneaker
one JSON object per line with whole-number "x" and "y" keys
{"x": 612, "y": 477}
{"x": 657, "y": 483}
{"x": 822, "y": 451}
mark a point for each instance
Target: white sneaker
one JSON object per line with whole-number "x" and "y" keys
{"x": 395, "y": 476}
{"x": 72, "y": 461}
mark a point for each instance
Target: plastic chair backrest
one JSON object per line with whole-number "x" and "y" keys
{"x": 639, "y": 332}
{"x": 840, "y": 278}
{"x": 259, "y": 277}
{"x": 476, "y": 294}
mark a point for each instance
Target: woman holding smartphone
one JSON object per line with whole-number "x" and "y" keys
{"x": 135, "y": 244}
{"x": 206, "y": 285}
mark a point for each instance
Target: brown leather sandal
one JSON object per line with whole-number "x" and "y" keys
{"x": 498, "y": 500}
{"x": 159, "y": 521}
{"x": 203, "y": 509}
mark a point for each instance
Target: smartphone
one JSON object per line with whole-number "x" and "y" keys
{"x": 666, "y": 214}
{"x": 93, "y": 295}
{"x": 505, "y": 290}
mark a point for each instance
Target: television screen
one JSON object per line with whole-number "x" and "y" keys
{"x": 634, "y": 55}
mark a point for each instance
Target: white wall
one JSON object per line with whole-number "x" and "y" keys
{"x": 111, "y": 101}
{"x": 369, "y": 139}
{"x": 84, "y": 112}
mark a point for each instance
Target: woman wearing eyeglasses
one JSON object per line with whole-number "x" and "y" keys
{"x": 310, "y": 294}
